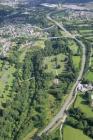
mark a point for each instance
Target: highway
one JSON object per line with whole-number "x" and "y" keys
{"x": 58, "y": 24}
{"x": 57, "y": 120}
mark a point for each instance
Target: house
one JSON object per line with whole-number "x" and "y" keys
{"x": 84, "y": 87}
{"x": 56, "y": 81}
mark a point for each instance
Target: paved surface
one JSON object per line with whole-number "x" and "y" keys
{"x": 71, "y": 98}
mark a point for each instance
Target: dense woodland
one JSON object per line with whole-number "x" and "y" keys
{"x": 25, "y": 110}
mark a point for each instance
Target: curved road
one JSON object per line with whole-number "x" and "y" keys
{"x": 71, "y": 98}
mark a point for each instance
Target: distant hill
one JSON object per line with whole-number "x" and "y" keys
{"x": 42, "y": 1}
{"x": 68, "y": 1}
{"x": 36, "y": 2}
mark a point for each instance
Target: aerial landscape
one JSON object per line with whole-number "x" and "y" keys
{"x": 46, "y": 70}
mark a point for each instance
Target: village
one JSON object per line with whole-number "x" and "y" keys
{"x": 9, "y": 35}
{"x": 13, "y": 31}
{"x": 81, "y": 15}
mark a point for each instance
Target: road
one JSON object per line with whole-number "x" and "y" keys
{"x": 48, "y": 28}
{"x": 52, "y": 37}
{"x": 71, "y": 98}
{"x": 59, "y": 25}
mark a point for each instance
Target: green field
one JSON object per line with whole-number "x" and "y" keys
{"x": 39, "y": 44}
{"x": 89, "y": 76}
{"x": 76, "y": 61}
{"x": 51, "y": 64}
{"x": 70, "y": 133}
{"x": 84, "y": 107}
{"x": 89, "y": 73}
{"x": 86, "y": 31}
{"x": 92, "y": 61}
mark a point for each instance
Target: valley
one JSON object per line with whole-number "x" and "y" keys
{"x": 46, "y": 71}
